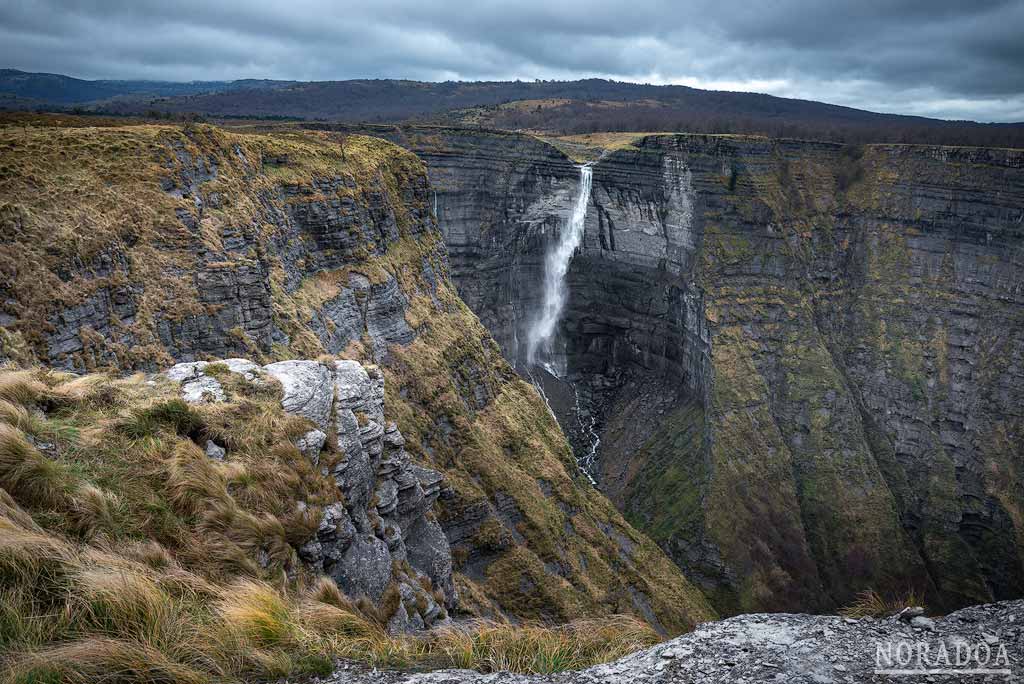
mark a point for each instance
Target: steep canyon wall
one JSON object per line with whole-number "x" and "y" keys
{"x": 804, "y": 359}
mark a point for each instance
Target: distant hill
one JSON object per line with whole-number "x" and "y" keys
{"x": 559, "y": 107}
{"x": 57, "y": 89}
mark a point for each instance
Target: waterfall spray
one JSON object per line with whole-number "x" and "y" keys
{"x": 543, "y": 329}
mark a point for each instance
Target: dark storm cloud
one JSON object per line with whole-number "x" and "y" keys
{"x": 934, "y": 57}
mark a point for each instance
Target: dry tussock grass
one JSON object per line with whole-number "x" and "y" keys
{"x": 129, "y": 556}
{"x": 870, "y": 603}
{"x": 29, "y": 476}
{"x": 20, "y": 387}
{"x": 539, "y": 649}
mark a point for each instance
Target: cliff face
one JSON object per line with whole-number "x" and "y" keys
{"x": 804, "y": 360}
{"x": 135, "y": 247}
{"x": 859, "y": 422}
{"x": 500, "y": 199}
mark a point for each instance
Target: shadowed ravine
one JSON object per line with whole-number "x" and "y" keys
{"x": 773, "y": 340}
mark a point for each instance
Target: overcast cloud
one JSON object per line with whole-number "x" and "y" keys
{"x": 930, "y": 57}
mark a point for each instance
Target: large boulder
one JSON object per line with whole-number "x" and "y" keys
{"x": 365, "y": 569}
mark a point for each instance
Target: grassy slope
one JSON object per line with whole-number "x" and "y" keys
{"x": 125, "y": 551}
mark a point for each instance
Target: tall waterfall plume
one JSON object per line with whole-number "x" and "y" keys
{"x": 542, "y": 331}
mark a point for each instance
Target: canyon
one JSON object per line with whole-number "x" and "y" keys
{"x": 676, "y": 376}
{"x": 164, "y": 245}
{"x": 802, "y": 361}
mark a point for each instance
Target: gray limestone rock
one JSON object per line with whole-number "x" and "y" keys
{"x": 428, "y": 552}
{"x": 202, "y": 389}
{"x": 183, "y": 372}
{"x": 798, "y": 649}
{"x": 244, "y": 367}
{"x": 308, "y": 390}
{"x": 196, "y": 387}
{"x": 310, "y": 444}
{"x": 365, "y": 568}
{"x": 214, "y": 450}
{"x": 385, "y": 512}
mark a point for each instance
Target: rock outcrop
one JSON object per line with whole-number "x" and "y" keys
{"x": 802, "y": 649}
{"x": 802, "y": 360}
{"x": 382, "y": 533}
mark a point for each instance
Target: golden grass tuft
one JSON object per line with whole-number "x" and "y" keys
{"x": 536, "y": 649}
{"x": 15, "y": 415}
{"x": 21, "y": 387}
{"x": 94, "y": 510}
{"x": 327, "y": 619}
{"x": 124, "y": 601}
{"x": 194, "y": 482}
{"x": 29, "y": 476}
{"x": 33, "y": 558}
{"x": 101, "y": 659}
{"x": 13, "y": 514}
{"x": 325, "y": 590}
{"x": 89, "y": 390}
{"x": 150, "y": 554}
{"x": 257, "y": 614}
{"x": 870, "y": 603}
{"x": 326, "y": 609}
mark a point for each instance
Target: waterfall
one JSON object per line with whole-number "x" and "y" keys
{"x": 587, "y": 462}
{"x": 543, "y": 329}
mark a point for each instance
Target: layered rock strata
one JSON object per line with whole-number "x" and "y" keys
{"x": 802, "y": 359}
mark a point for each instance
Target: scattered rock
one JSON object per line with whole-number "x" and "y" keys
{"x": 246, "y": 368}
{"x": 766, "y": 648}
{"x": 921, "y": 622}
{"x": 910, "y": 612}
{"x": 215, "y": 451}
{"x": 196, "y": 387}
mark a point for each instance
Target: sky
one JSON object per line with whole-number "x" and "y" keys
{"x": 938, "y": 58}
